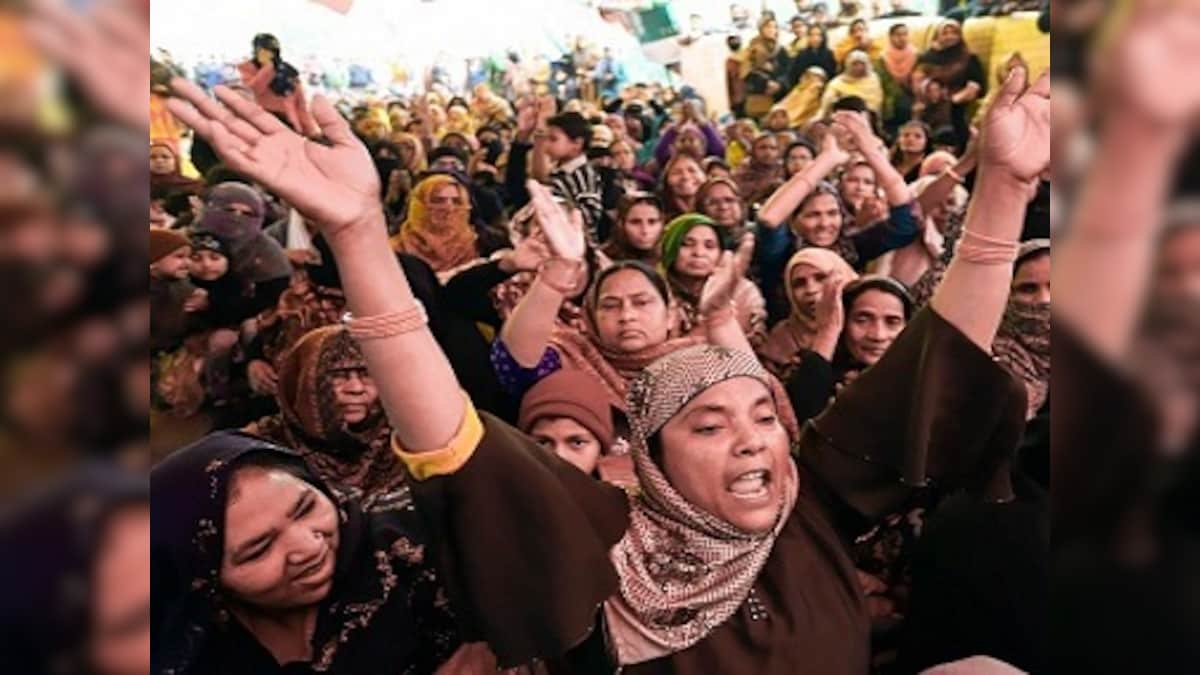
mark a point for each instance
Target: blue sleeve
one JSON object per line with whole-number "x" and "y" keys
{"x": 516, "y": 379}
{"x": 899, "y": 230}
{"x": 772, "y": 246}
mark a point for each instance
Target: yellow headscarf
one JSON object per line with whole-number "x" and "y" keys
{"x": 867, "y": 87}
{"x": 441, "y": 236}
{"x": 803, "y": 102}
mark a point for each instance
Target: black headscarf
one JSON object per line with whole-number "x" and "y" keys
{"x": 50, "y": 544}
{"x": 286, "y": 75}
{"x": 386, "y": 605}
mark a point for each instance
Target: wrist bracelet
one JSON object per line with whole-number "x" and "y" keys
{"x": 386, "y": 325}
{"x": 984, "y": 250}
{"x": 955, "y": 175}
{"x": 568, "y": 282}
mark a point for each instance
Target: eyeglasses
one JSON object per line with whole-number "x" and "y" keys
{"x": 721, "y": 201}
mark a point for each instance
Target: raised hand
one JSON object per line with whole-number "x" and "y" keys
{"x": 334, "y": 185}
{"x": 859, "y": 128}
{"x": 833, "y": 151}
{"x": 526, "y": 256}
{"x": 872, "y": 210}
{"x": 830, "y": 314}
{"x": 721, "y": 285}
{"x": 527, "y": 117}
{"x": 1157, "y": 46}
{"x": 563, "y": 232}
{"x": 1015, "y": 135}
{"x": 104, "y": 52}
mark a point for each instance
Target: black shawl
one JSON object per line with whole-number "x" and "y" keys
{"x": 386, "y": 606}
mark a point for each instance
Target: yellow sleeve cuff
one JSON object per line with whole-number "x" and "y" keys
{"x": 445, "y": 461}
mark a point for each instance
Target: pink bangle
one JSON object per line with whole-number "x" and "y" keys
{"x": 386, "y": 325}
{"x": 551, "y": 273}
{"x": 955, "y": 175}
{"x": 985, "y": 250}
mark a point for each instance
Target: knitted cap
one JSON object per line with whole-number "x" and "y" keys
{"x": 571, "y": 394}
{"x": 164, "y": 242}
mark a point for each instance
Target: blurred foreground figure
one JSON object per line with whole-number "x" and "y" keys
{"x": 1126, "y": 593}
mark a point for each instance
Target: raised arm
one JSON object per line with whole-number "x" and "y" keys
{"x": 937, "y": 191}
{"x": 783, "y": 201}
{"x": 1014, "y": 152}
{"x": 874, "y": 151}
{"x": 716, "y": 299}
{"x": 337, "y": 187}
{"x": 527, "y": 331}
{"x": 1115, "y": 224}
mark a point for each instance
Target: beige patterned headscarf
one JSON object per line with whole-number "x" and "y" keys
{"x": 683, "y": 571}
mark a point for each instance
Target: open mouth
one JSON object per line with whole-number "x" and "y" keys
{"x": 751, "y": 485}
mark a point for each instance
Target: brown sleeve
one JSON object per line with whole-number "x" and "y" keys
{"x": 935, "y": 408}
{"x": 522, "y": 541}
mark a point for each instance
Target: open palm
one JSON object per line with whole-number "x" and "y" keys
{"x": 1016, "y": 132}
{"x": 335, "y": 185}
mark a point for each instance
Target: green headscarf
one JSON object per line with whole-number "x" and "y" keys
{"x": 676, "y": 231}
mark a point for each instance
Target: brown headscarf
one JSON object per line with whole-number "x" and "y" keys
{"x": 356, "y": 457}
{"x": 444, "y": 243}
{"x": 174, "y": 181}
{"x": 756, "y": 180}
{"x": 1022, "y": 345}
{"x": 794, "y": 334}
{"x": 682, "y": 571}
{"x": 615, "y": 369}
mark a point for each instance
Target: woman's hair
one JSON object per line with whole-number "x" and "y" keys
{"x": 668, "y": 196}
{"x": 898, "y": 154}
{"x": 896, "y": 28}
{"x": 652, "y": 275}
{"x": 798, "y": 143}
{"x": 286, "y": 76}
{"x": 876, "y": 282}
{"x": 632, "y": 199}
{"x": 711, "y": 183}
{"x": 825, "y": 188}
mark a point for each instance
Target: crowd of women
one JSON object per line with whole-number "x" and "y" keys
{"x": 573, "y": 387}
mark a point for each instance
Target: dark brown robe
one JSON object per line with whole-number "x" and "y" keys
{"x": 524, "y": 537}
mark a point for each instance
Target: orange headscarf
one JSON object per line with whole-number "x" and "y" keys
{"x": 441, "y": 236}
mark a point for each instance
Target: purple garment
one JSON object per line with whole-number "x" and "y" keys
{"x": 662, "y": 151}
{"x": 517, "y": 379}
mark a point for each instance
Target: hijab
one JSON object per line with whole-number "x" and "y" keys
{"x": 673, "y": 236}
{"x": 52, "y": 539}
{"x": 682, "y": 571}
{"x": 612, "y": 368}
{"x": 174, "y": 181}
{"x": 868, "y": 87}
{"x": 803, "y": 102}
{"x": 443, "y": 245}
{"x": 1022, "y": 345}
{"x": 253, "y": 255}
{"x": 947, "y": 65}
{"x": 754, "y": 179}
{"x": 899, "y": 63}
{"x": 386, "y": 604}
{"x": 795, "y": 334}
{"x": 356, "y": 456}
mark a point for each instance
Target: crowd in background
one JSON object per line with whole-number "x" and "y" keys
{"x": 822, "y": 216}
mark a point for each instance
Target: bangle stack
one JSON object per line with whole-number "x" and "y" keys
{"x": 567, "y": 277}
{"x": 386, "y": 325}
{"x": 984, "y": 250}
